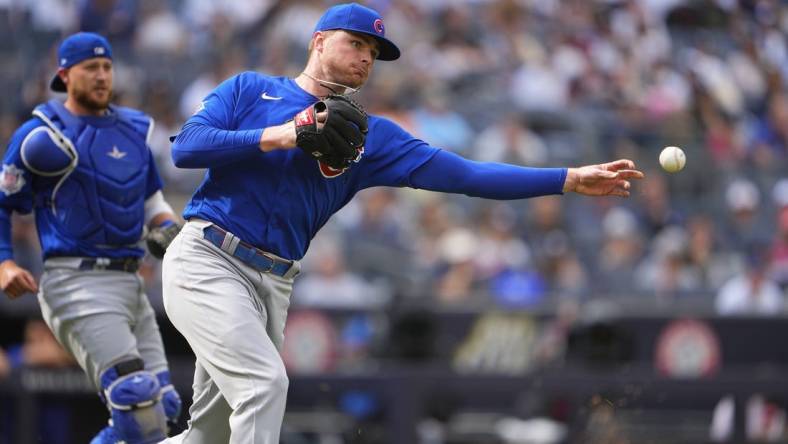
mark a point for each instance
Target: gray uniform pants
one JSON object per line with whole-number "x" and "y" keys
{"x": 233, "y": 317}
{"x": 100, "y": 317}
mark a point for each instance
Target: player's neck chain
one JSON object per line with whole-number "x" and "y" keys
{"x": 325, "y": 84}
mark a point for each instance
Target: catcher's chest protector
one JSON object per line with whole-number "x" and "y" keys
{"x": 101, "y": 199}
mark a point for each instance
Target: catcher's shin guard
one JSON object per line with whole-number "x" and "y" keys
{"x": 133, "y": 397}
{"x": 169, "y": 397}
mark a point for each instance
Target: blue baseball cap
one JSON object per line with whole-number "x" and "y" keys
{"x": 76, "y": 48}
{"x": 356, "y": 18}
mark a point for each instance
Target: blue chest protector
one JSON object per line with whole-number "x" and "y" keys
{"x": 99, "y": 197}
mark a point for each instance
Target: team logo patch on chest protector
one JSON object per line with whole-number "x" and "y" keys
{"x": 115, "y": 157}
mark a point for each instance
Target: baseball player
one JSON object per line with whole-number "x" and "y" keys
{"x": 85, "y": 168}
{"x": 283, "y": 155}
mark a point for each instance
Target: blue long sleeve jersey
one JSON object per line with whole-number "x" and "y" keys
{"x": 277, "y": 201}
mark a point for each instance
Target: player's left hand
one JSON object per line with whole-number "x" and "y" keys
{"x": 332, "y": 130}
{"x": 159, "y": 238}
{"x": 606, "y": 179}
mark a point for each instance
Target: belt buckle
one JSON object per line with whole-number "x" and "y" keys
{"x": 273, "y": 262}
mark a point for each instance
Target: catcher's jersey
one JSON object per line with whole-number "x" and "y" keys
{"x": 278, "y": 201}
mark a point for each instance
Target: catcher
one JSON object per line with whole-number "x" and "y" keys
{"x": 84, "y": 167}
{"x": 283, "y": 155}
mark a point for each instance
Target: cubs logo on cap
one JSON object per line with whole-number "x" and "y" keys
{"x": 76, "y": 48}
{"x": 357, "y": 18}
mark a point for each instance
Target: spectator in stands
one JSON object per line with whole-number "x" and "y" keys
{"x": 665, "y": 272}
{"x": 219, "y": 68}
{"x": 159, "y": 103}
{"x": 456, "y": 277}
{"x": 328, "y": 283}
{"x": 116, "y": 19}
{"x": 751, "y": 292}
{"x": 560, "y": 266}
{"x": 622, "y": 249}
{"x": 510, "y": 140}
{"x": 378, "y": 236}
{"x": 778, "y": 262}
{"x": 705, "y": 259}
{"x": 770, "y": 134}
{"x": 499, "y": 248}
{"x": 49, "y": 19}
{"x": 743, "y": 224}
{"x": 39, "y": 349}
{"x": 656, "y": 210}
{"x": 436, "y": 121}
{"x": 160, "y": 31}
{"x": 434, "y": 218}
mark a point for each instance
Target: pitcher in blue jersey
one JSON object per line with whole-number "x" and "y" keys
{"x": 85, "y": 168}
{"x": 229, "y": 273}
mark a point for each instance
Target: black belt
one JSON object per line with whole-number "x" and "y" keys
{"x": 249, "y": 254}
{"x": 127, "y": 264}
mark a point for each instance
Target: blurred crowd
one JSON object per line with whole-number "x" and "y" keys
{"x": 531, "y": 82}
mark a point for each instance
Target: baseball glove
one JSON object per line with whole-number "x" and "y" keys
{"x": 159, "y": 238}
{"x": 342, "y": 136}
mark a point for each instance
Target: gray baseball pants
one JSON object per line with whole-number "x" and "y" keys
{"x": 233, "y": 317}
{"x": 101, "y": 317}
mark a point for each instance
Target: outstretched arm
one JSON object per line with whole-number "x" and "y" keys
{"x": 450, "y": 173}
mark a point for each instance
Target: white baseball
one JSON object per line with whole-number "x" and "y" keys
{"x": 672, "y": 159}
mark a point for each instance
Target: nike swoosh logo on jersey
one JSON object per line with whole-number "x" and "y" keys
{"x": 265, "y": 96}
